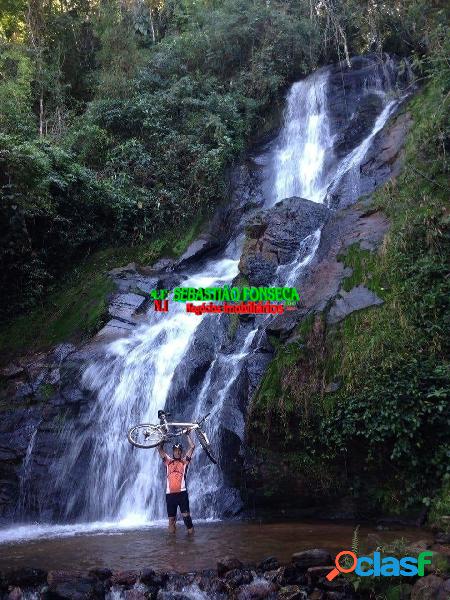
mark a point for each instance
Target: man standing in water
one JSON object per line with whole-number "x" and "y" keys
{"x": 176, "y": 492}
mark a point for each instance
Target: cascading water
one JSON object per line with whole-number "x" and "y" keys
{"x": 135, "y": 375}
{"x": 300, "y": 155}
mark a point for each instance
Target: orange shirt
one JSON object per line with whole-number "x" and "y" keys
{"x": 176, "y": 474}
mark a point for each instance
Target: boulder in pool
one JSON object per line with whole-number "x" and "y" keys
{"x": 127, "y": 578}
{"x": 269, "y": 564}
{"x": 257, "y": 590}
{"x": 73, "y": 585}
{"x": 228, "y": 563}
{"x": 292, "y": 592}
{"x": 312, "y": 558}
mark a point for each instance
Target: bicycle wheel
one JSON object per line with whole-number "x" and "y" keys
{"x": 145, "y": 436}
{"x": 205, "y": 445}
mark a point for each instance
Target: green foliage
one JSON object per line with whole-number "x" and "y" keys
{"x": 16, "y": 76}
{"x": 52, "y": 212}
{"x": 363, "y": 265}
{"x": 118, "y": 56}
{"x": 440, "y": 506}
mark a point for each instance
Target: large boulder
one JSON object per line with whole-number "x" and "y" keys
{"x": 357, "y": 298}
{"x": 204, "y": 245}
{"x": 228, "y": 563}
{"x": 431, "y": 587}
{"x": 65, "y": 585}
{"x": 257, "y": 590}
{"x": 274, "y": 237}
{"x": 311, "y": 558}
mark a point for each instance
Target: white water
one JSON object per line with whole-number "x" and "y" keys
{"x": 300, "y": 155}
{"x": 123, "y": 486}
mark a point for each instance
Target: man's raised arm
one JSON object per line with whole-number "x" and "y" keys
{"x": 191, "y": 448}
{"x": 161, "y": 452}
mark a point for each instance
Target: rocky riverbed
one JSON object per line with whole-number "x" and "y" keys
{"x": 303, "y": 578}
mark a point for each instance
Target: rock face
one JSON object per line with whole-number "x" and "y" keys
{"x": 357, "y": 298}
{"x": 353, "y": 116}
{"x": 274, "y": 237}
{"x": 201, "y": 247}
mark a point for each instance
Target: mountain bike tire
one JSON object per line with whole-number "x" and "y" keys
{"x": 205, "y": 445}
{"x": 145, "y": 436}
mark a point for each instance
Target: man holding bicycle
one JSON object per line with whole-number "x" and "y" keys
{"x": 176, "y": 492}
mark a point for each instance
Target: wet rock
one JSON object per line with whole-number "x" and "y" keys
{"x": 15, "y": 594}
{"x": 12, "y": 370}
{"x": 127, "y": 578}
{"x": 274, "y": 237}
{"x": 256, "y": 364}
{"x": 163, "y": 595}
{"x": 285, "y": 575}
{"x": 357, "y": 298}
{"x": 150, "y": 577}
{"x": 100, "y": 573}
{"x": 338, "y": 585}
{"x": 163, "y": 264}
{"x": 135, "y": 595}
{"x": 258, "y": 589}
{"x": 332, "y": 387}
{"x": 237, "y": 577}
{"x": 62, "y": 351}
{"x": 292, "y": 592}
{"x": 311, "y": 558}
{"x": 384, "y": 158}
{"x": 431, "y": 587}
{"x": 357, "y": 127}
{"x": 269, "y": 564}
{"x": 317, "y": 594}
{"x": 246, "y": 197}
{"x": 315, "y": 573}
{"x": 289, "y": 574}
{"x": 25, "y": 577}
{"x": 351, "y": 111}
{"x": 114, "y": 329}
{"x": 228, "y": 563}
{"x": 201, "y": 247}
{"x": 65, "y": 585}
{"x": 442, "y": 538}
{"x": 124, "y": 306}
{"x": 283, "y": 325}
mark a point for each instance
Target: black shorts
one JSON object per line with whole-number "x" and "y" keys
{"x": 175, "y": 500}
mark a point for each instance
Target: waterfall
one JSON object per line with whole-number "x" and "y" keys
{"x": 300, "y": 155}
{"x": 121, "y": 485}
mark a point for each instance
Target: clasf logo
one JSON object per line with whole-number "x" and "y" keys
{"x": 376, "y": 566}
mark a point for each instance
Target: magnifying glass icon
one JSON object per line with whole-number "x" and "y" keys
{"x": 339, "y": 568}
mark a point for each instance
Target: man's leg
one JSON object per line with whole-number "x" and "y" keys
{"x": 185, "y": 513}
{"x": 172, "y": 526}
{"x": 188, "y": 522}
{"x": 172, "y": 506}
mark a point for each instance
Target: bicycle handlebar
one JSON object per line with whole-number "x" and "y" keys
{"x": 203, "y": 419}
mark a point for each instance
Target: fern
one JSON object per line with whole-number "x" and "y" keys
{"x": 355, "y": 541}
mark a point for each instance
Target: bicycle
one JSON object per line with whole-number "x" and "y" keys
{"x": 146, "y": 435}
